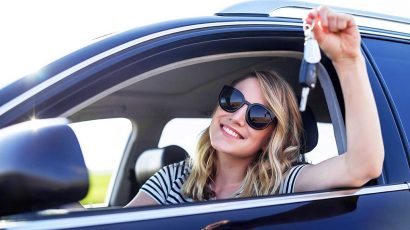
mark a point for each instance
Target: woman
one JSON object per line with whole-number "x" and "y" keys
{"x": 251, "y": 147}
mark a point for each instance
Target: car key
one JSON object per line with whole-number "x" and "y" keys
{"x": 311, "y": 56}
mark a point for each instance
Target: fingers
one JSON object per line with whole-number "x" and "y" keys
{"x": 329, "y": 20}
{"x": 313, "y": 14}
{"x": 338, "y": 22}
{"x": 323, "y": 12}
{"x": 341, "y": 24}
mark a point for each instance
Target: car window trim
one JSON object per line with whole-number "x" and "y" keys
{"x": 175, "y": 211}
{"x": 62, "y": 75}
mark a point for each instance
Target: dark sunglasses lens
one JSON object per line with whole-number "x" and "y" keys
{"x": 259, "y": 117}
{"x": 230, "y": 99}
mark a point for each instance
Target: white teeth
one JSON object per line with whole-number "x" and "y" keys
{"x": 230, "y": 132}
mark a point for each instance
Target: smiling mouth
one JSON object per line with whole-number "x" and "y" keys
{"x": 230, "y": 132}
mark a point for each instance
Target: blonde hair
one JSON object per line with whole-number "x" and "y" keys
{"x": 265, "y": 174}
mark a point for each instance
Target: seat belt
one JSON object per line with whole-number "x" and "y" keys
{"x": 311, "y": 69}
{"x": 339, "y": 128}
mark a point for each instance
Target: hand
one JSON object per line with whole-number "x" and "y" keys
{"x": 336, "y": 33}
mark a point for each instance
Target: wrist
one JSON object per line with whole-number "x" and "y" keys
{"x": 349, "y": 63}
{"x": 351, "y": 69}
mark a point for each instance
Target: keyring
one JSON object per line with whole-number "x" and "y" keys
{"x": 307, "y": 28}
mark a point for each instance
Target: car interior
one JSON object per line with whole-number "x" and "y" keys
{"x": 188, "y": 89}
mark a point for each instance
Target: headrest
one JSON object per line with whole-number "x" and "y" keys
{"x": 310, "y": 133}
{"x": 152, "y": 160}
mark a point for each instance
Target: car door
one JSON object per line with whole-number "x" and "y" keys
{"x": 343, "y": 208}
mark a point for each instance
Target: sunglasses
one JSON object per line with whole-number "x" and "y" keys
{"x": 257, "y": 116}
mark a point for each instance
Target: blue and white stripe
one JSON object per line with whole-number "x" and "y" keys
{"x": 165, "y": 185}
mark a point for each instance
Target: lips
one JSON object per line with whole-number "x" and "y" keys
{"x": 231, "y": 132}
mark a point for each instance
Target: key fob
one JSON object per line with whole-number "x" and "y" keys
{"x": 311, "y": 50}
{"x": 307, "y": 74}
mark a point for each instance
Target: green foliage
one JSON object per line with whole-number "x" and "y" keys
{"x": 98, "y": 188}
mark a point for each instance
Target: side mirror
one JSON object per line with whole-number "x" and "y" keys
{"x": 41, "y": 166}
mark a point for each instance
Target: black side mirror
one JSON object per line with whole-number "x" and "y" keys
{"x": 41, "y": 166}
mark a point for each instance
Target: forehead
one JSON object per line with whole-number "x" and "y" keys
{"x": 251, "y": 89}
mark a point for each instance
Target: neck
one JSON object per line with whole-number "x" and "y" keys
{"x": 229, "y": 174}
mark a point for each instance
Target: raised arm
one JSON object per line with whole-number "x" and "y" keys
{"x": 338, "y": 36}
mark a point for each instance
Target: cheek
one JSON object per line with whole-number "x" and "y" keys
{"x": 214, "y": 126}
{"x": 218, "y": 112}
{"x": 215, "y": 119}
{"x": 217, "y": 116}
{"x": 263, "y": 136}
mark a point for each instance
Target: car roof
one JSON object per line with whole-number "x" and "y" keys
{"x": 298, "y": 9}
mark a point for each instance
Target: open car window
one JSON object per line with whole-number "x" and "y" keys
{"x": 173, "y": 105}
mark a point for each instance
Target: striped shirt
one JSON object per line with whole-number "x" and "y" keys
{"x": 166, "y": 184}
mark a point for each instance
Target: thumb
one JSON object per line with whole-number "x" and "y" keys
{"x": 319, "y": 25}
{"x": 319, "y": 31}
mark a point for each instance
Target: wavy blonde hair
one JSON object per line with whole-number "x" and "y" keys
{"x": 265, "y": 174}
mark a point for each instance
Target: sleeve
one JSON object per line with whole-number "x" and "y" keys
{"x": 288, "y": 185}
{"x": 159, "y": 185}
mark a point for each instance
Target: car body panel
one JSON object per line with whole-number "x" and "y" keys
{"x": 356, "y": 208}
{"x": 391, "y": 59}
{"x": 395, "y": 149}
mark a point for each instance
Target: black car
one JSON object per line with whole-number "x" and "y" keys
{"x": 172, "y": 70}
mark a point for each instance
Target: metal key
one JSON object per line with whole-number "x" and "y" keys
{"x": 311, "y": 56}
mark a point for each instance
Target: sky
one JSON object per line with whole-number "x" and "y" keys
{"x": 34, "y": 33}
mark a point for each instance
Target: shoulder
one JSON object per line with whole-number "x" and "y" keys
{"x": 184, "y": 165}
{"x": 163, "y": 182}
{"x": 290, "y": 176}
{"x": 177, "y": 170}
{"x": 168, "y": 174}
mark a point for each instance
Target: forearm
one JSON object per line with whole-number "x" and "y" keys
{"x": 365, "y": 151}
{"x": 141, "y": 199}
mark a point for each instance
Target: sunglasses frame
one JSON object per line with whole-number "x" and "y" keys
{"x": 250, "y": 106}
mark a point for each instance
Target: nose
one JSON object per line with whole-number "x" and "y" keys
{"x": 239, "y": 116}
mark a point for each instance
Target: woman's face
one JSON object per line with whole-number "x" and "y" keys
{"x": 230, "y": 133}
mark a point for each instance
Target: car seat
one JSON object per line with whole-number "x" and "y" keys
{"x": 310, "y": 135}
{"x": 152, "y": 160}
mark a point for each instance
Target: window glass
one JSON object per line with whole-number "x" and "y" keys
{"x": 185, "y": 133}
{"x": 102, "y": 152}
{"x": 392, "y": 59}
